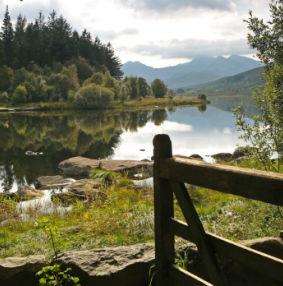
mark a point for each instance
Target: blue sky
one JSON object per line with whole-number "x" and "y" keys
{"x": 156, "y": 32}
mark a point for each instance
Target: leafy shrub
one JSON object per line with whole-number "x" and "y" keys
{"x": 4, "y": 97}
{"x": 158, "y": 87}
{"x": 94, "y": 96}
{"x": 55, "y": 276}
{"x": 20, "y": 95}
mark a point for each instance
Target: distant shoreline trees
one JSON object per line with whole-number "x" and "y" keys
{"x": 47, "y": 61}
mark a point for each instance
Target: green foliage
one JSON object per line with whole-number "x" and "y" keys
{"x": 6, "y": 78}
{"x": 265, "y": 133}
{"x": 266, "y": 37}
{"x": 20, "y": 95}
{"x": 50, "y": 229}
{"x": 4, "y": 97}
{"x": 158, "y": 87}
{"x": 107, "y": 177}
{"x": 53, "y": 275}
{"x": 94, "y": 96}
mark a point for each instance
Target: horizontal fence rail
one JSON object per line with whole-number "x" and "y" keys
{"x": 252, "y": 184}
{"x": 170, "y": 174}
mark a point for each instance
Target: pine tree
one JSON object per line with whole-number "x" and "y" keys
{"x": 19, "y": 39}
{"x": 7, "y": 36}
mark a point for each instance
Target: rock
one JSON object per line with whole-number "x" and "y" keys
{"x": 222, "y": 157}
{"x": 80, "y": 167}
{"x": 52, "y": 182}
{"x": 242, "y": 152}
{"x": 125, "y": 265}
{"x": 24, "y": 193}
{"x": 85, "y": 190}
{"x": 28, "y": 193}
{"x": 196, "y": 157}
{"x": 15, "y": 271}
{"x": 269, "y": 245}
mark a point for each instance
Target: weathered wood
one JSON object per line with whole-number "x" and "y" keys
{"x": 252, "y": 184}
{"x": 163, "y": 211}
{"x": 251, "y": 259}
{"x": 184, "y": 278}
{"x": 205, "y": 248}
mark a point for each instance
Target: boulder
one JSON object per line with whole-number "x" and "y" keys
{"x": 243, "y": 151}
{"x": 15, "y": 271}
{"x": 269, "y": 245}
{"x": 79, "y": 167}
{"x": 52, "y": 182}
{"x": 84, "y": 189}
{"x": 24, "y": 193}
{"x": 196, "y": 157}
{"x": 226, "y": 157}
{"x": 125, "y": 265}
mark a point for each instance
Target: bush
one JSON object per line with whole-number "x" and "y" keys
{"x": 96, "y": 78}
{"x": 4, "y": 97}
{"x": 159, "y": 89}
{"x": 6, "y": 78}
{"x": 94, "y": 96}
{"x": 20, "y": 95}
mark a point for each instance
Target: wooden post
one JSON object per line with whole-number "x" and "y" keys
{"x": 163, "y": 212}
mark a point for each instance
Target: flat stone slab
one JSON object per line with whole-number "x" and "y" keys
{"x": 79, "y": 167}
{"x": 111, "y": 266}
{"x": 52, "y": 182}
{"x": 20, "y": 270}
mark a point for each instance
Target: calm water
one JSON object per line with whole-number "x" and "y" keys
{"x": 126, "y": 135}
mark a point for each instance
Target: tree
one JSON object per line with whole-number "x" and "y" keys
{"x": 20, "y": 95}
{"x": 142, "y": 87}
{"x": 265, "y": 133}
{"x": 94, "y": 96}
{"x": 7, "y": 36}
{"x": 159, "y": 89}
{"x": 19, "y": 41}
{"x": 6, "y": 78}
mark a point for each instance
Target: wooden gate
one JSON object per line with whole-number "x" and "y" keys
{"x": 170, "y": 174}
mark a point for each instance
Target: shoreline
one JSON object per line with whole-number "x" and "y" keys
{"x": 132, "y": 105}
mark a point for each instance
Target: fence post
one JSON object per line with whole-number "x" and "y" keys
{"x": 163, "y": 211}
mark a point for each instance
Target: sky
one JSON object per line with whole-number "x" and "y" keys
{"x": 156, "y": 32}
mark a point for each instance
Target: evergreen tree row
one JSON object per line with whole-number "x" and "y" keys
{"x": 52, "y": 40}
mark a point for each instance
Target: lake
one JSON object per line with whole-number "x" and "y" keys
{"x": 32, "y": 144}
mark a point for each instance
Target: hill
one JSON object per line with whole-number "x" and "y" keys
{"x": 240, "y": 84}
{"x": 199, "y": 70}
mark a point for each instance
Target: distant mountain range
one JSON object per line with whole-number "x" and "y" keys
{"x": 200, "y": 70}
{"x": 240, "y": 84}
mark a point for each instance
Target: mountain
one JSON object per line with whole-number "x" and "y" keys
{"x": 199, "y": 70}
{"x": 240, "y": 84}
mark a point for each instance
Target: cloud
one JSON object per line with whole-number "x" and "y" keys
{"x": 111, "y": 35}
{"x": 171, "y": 5}
{"x": 190, "y": 48}
{"x": 29, "y": 8}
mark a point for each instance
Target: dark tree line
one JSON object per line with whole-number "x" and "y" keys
{"x": 47, "y": 41}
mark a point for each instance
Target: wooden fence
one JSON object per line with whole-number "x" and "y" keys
{"x": 170, "y": 174}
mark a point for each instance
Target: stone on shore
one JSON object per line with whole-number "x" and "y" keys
{"x": 15, "y": 271}
{"x": 52, "y": 182}
{"x": 226, "y": 157}
{"x": 125, "y": 265}
{"x": 85, "y": 190}
{"x": 80, "y": 167}
{"x": 24, "y": 193}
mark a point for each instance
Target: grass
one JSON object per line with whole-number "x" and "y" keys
{"x": 127, "y": 218}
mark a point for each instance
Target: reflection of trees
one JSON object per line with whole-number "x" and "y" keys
{"x": 59, "y": 136}
{"x": 202, "y": 108}
{"x": 158, "y": 116}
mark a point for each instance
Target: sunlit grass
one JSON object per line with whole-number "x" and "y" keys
{"x": 127, "y": 218}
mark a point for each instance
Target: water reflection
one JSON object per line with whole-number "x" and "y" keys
{"x": 123, "y": 135}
